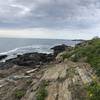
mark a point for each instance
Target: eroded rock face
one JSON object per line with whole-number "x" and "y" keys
{"x": 66, "y": 82}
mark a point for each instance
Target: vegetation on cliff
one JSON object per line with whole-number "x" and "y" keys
{"x": 88, "y": 51}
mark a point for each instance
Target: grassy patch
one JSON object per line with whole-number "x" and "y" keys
{"x": 93, "y": 91}
{"x": 19, "y": 94}
{"x": 42, "y": 92}
{"x": 90, "y": 51}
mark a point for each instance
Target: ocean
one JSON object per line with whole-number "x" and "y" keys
{"x": 15, "y": 46}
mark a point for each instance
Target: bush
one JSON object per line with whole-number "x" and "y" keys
{"x": 19, "y": 94}
{"x": 93, "y": 91}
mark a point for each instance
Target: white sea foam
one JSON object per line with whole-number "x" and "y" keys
{"x": 26, "y": 49}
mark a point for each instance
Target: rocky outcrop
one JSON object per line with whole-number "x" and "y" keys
{"x": 60, "y": 48}
{"x": 31, "y": 59}
{"x": 64, "y": 81}
{"x": 2, "y": 56}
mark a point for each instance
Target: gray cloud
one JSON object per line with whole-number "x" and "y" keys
{"x": 80, "y": 14}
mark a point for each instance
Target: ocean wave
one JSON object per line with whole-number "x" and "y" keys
{"x": 26, "y": 49}
{"x": 8, "y": 52}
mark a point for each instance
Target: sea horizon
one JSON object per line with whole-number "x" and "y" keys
{"x": 38, "y": 44}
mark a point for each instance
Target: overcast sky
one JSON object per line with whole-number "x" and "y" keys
{"x": 66, "y": 19}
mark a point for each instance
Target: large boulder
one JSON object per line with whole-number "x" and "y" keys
{"x": 60, "y": 48}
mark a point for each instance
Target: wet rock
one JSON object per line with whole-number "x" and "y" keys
{"x": 2, "y": 56}
{"x": 31, "y": 59}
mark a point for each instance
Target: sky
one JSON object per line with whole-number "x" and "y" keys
{"x": 61, "y": 19}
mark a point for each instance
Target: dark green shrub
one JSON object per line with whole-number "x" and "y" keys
{"x": 93, "y": 91}
{"x": 19, "y": 94}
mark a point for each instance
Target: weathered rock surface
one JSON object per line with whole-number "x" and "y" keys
{"x": 65, "y": 81}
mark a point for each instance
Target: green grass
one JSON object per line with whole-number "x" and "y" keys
{"x": 93, "y": 91}
{"x": 42, "y": 92}
{"x": 19, "y": 94}
{"x": 90, "y": 51}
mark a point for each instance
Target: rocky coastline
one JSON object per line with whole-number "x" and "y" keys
{"x": 41, "y": 76}
{"x": 33, "y": 59}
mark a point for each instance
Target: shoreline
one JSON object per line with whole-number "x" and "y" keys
{"x": 33, "y": 74}
{"x": 34, "y": 58}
